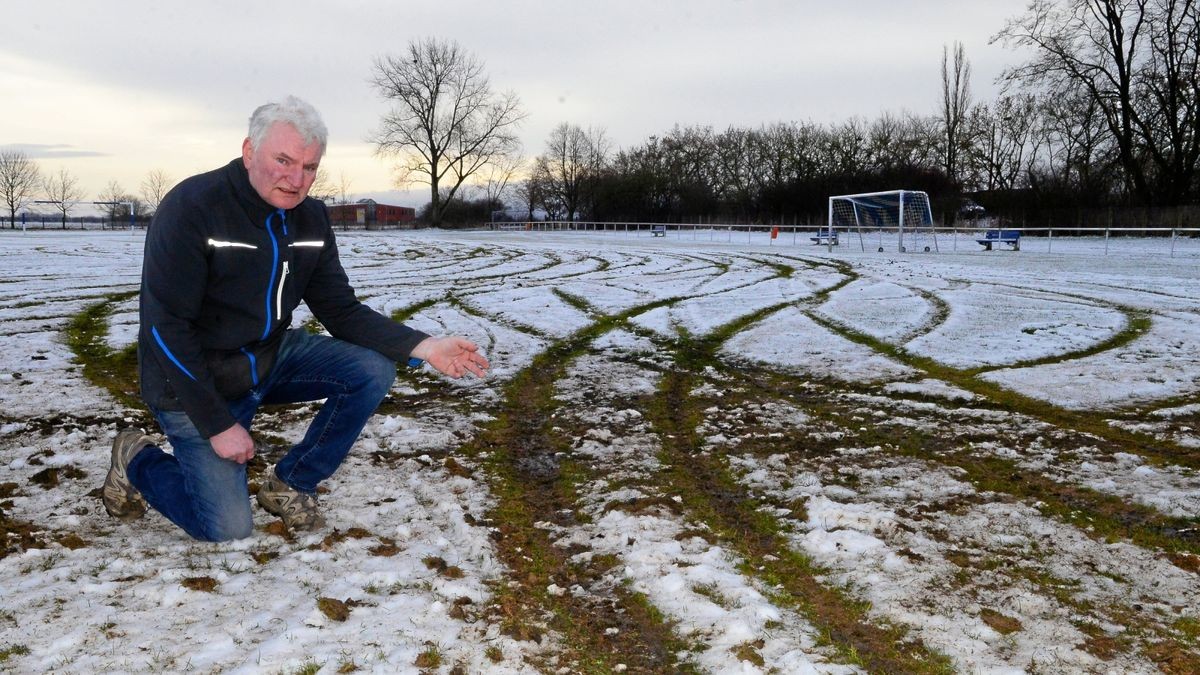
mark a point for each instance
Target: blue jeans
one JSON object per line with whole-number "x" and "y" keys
{"x": 206, "y": 495}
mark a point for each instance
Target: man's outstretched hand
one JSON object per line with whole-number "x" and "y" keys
{"x": 454, "y": 356}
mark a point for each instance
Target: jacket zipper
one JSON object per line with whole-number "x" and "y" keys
{"x": 253, "y": 366}
{"x": 272, "y": 292}
{"x": 274, "y": 271}
{"x": 279, "y": 293}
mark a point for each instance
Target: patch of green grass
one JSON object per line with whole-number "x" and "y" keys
{"x": 12, "y": 650}
{"x": 571, "y": 475}
{"x": 1188, "y": 627}
{"x": 526, "y": 452}
{"x": 1094, "y": 423}
{"x": 405, "y": 313}
{"x": 114, "y": 371}
{"x": 782, "y": 270}
{"x": 309, "y": 667}
{"x": 603, "y": 265}
{"x": 999, "y": 622}
{"x": 749, "y": 652}
{"x": 431, "y": 658}
{"x": 494, "y": 654}
{"x": 573, "y": 300}
{"x": 711, "y": 494}
{"x": 713, "y": 592}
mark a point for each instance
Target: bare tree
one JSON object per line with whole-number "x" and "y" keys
{"x": 904, "y": 141}
{"x": 497, "y": 175}
{"x": 956, "y": 102}
{"x": 687, "y": 159}
{"x": 19, "y": 181}
{"x": 155, "y": 186}
{"x": 112, "y": 195}
{"x": 322, "y": 187}
{"x": 62, "y": 190}
{"x": 774, "y": 149}
{"x": 1135, "y": 60}
{"x": 343, "y": 188}
{"x": 573, "y": 159}
{"x": 1080, "y": 155}
{"x": 446, "y": 123}
{"x": 848, "y": 148}
{"x": 532, "y": 192}
{"x": 117, "y": 204}
{"x": 738, "y": 166}
{"x": 1004, "y": 152}
{"x": 1169, "y": 89}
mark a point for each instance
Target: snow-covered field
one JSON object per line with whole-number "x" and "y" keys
{"x": 990, "y": 454}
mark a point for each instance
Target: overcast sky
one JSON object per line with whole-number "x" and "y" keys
{"x": 112, "y": 90}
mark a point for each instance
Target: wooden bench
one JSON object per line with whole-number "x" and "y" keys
{"x": 828, "y": 237}
{"x": 658, "y": 231}
{"x": 1010, "y": 237}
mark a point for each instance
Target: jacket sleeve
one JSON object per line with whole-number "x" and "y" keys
{"x": 174, "y": 278}
{"x": 332, "y": 300}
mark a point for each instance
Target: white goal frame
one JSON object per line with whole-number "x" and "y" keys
{"x": 905, "y": 210}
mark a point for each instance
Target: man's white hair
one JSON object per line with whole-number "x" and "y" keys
{"x": 296, "y": 112}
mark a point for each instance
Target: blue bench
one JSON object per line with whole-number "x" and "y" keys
{"x": 825, "y": 236}
{"x": 1010, "y": 237}
{"x": 658, "y": 231}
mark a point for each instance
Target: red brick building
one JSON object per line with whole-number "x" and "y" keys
{"x": 368, "y": 213}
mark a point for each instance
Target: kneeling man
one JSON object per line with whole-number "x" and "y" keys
{"x": 230, "y": 253}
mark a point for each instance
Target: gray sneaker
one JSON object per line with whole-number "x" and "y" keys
{"x": 298, "y": 510}
{"x": 121, "y": 499}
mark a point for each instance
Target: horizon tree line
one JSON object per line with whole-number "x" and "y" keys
{"x": 22, "y": 183}
{"x": 1105, "y": 111}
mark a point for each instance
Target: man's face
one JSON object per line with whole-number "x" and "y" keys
{"x": 282, "y": 168}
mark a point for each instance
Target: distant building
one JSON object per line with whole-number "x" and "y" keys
{"x": 370, "y": 214}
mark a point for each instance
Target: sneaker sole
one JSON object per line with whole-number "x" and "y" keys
{"x": 121, "y": 500}
{"x": 120, "y": 503}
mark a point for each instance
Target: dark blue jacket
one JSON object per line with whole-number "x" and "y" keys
{"x": 222, "y": 272}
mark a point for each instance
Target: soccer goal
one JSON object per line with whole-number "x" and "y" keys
{"x": 905, "y": 212}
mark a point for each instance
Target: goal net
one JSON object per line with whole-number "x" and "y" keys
{"x": 903, "y": 214}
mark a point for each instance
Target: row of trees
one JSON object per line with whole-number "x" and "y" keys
{"x": 1121, "y": 81}
{"x": 1106, "y": 111}
{"x": 22, "y": 184}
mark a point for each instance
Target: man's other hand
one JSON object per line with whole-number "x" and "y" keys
{"x": 234, "y": 444}
{"x": 453, "y": 355}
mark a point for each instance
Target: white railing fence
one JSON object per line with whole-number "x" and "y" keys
{"x": 961, "y": 238}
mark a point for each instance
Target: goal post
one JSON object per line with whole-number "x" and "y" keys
{"x": 907, "y": 212}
